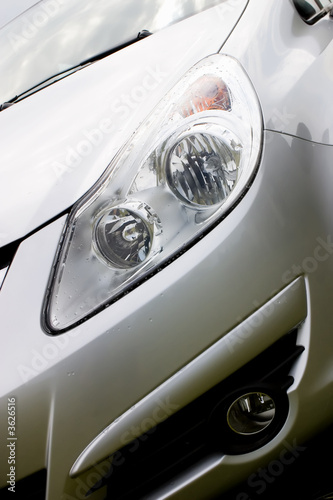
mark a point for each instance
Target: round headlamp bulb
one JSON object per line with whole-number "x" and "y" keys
{"x": 124, "y": 234}
{"x": 202, "y": 168}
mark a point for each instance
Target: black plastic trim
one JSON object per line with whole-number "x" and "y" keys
{"x": 7, "y": 252}
{"x": 32, "y": 487}
{"x": 199, "y": 431}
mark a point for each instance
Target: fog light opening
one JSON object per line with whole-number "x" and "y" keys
{"x": 251, "y": 413}
{"x": 247, "y": 419}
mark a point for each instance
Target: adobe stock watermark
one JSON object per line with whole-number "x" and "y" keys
{"x": 279, "y": 121}
{"x": 229, "y": 6}
{"x": 137, "y": 434}
{"x": 31, "y": 24}
{"x": 249, "y": 326}
{"x": 263, "y": 477}
{"x": 90, "y": 139}
{"x": 125, "y": 104}
{"x": 133, "y": 437}
{"x": 281, "y": 118}
{"x": 11, "y": 444}
{"x": 308, "y": 265}
{"x": 40, "y": 360}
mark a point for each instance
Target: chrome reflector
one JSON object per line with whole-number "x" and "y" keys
{"x": 312, "y": 11}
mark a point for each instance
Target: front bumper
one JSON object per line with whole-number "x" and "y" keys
{"x": 69, "y": 389}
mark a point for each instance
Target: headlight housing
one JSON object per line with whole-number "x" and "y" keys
{"x": 183, "y": 169}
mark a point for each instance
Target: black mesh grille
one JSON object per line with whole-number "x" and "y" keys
{"x": 32, "y": 487}
{"x": 195, "y": 433}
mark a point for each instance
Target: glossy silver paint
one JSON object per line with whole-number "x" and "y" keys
{"x": 56, "y": 169}
{"x": 281, "y": 314}
{"x": 178, "y": 333}
{"x": 44, "y": 39}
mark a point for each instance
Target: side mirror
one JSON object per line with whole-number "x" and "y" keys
{"x": 313, "y": 10}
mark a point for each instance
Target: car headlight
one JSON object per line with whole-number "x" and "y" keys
{"x": 184, "y": 168}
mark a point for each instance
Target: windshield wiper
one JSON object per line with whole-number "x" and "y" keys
{"x": 40, "y": 86}
{"x": 62, "y": 74}
{"x": 7, "y": 104}
{"x": 140, "y": 36}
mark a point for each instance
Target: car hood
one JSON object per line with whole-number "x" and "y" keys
{"x": 57, "y": 142}
{"x": 54, "y": 36}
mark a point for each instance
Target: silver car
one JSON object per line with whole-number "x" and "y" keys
{"x": 166, "y": 234}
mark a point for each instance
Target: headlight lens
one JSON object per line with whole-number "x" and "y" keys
{"x": 185, "y": 167}
{"x": 125, "y": 234}
{"x": 201, "y": 168}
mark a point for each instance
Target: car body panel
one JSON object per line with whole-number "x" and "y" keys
{"x": 66, "y": 146}
{"x": 104, "y": 385}
{"x": 42, "y": 40}
{"x": 284, "y": 312}
{"x": 289, "y": 69}
{"x": 70, "y": 388}
{"x": 8, "y": 13}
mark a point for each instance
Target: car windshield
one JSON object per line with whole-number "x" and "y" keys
{"x": 54, "y": 36}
